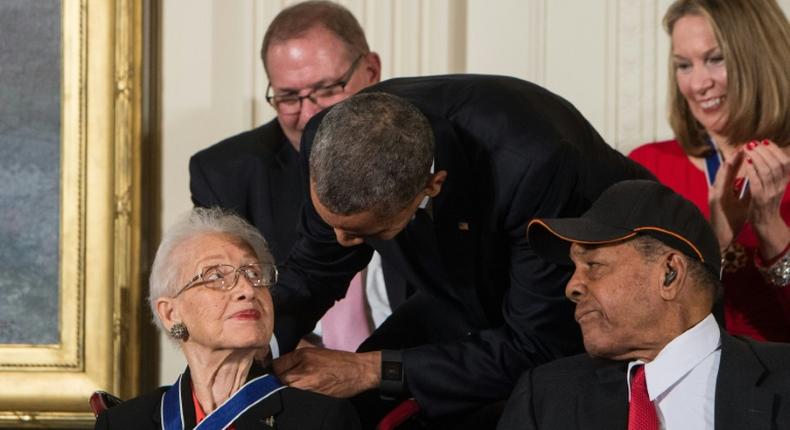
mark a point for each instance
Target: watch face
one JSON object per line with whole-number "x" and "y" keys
{"x": 391, "y": 370}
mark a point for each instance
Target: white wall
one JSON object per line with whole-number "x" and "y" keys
{"x": 608, "y": 57}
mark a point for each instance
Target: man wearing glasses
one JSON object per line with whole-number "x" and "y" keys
{"x": 315, "y": 55}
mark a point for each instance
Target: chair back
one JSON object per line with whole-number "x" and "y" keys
{"x": 100, "y": 401}
{"x": 400, "y": 414}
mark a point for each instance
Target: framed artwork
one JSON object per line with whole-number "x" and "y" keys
{"x": 71, "y": 151}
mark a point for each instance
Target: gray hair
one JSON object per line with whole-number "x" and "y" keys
{"x": 651, "y": 248}
{"x": 372, "y": 151}
{"x": 166, "y": 270}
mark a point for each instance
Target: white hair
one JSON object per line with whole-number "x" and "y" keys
{"x": 200, "y": 221}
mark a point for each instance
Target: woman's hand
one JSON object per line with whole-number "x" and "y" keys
{"x": 768, "y": 170}
{"x": 728, "y": 213}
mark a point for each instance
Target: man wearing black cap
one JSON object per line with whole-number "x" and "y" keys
{"x": 647, "y": 269}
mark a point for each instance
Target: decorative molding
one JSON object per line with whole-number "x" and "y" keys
{"x": 536, "y": 41}
{"x": 632, "y": 98}
{"x": 127, "y": 138}
{"x": 100, "y": 289}
{"x": 263, "y": 12}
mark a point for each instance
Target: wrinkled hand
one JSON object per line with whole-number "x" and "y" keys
{"x": 728, "y": 213}
{"x": 768, "y": 170}
{"x": 307, "y": 343}
{"x": 330, "y": 372}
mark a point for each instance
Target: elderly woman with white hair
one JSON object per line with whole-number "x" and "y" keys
{"x": 209, "y": 290}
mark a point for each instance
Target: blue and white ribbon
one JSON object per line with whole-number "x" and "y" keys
{"x": 246, "y": 397}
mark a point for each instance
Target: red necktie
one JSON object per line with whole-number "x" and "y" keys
{"x": 641, "y": 414}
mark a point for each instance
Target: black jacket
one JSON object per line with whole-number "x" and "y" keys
{"x": 513, "y": 151}
{"x": 752, "y": 391}
{"x": 255, "y": 174}
{"x": 291, "y": 409}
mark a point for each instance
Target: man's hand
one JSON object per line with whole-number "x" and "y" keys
{"x": 329, "y": 372}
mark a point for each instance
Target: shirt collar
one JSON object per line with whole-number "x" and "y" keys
{"x": 427, "y": 199}
{"x": 679, "y": 357}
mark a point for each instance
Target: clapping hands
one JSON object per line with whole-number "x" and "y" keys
{"x": 767, "y": 168}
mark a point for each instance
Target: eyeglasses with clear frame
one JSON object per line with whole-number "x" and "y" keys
{"x": 224, "y": 277}
{"x": 321, "y": 96}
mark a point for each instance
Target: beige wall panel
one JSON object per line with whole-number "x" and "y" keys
{"x": 206, "y": 96}
{"x": 206, "y": 84}
{"x": 506, "y": 38}
{"x": 576, "y": 34}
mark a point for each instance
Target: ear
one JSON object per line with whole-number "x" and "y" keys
{"x": 372, "y": 68}
{"x": 166, "y": 310}
{"x": 672, "y": 276}
{"x": 435, "y": 182}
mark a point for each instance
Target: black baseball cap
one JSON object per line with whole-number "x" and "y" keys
{"x": 624, "y": 210}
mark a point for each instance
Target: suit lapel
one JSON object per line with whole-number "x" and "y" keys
{"x": 263, "y": 415}
{"x": 187, "y": 405}
{"x": 604, "y": 405}
{"x": 456, "y": 219}
{"x": 422, "y": 250}
{"x": 738, "y": 382}
{"x": 156, "y": 417}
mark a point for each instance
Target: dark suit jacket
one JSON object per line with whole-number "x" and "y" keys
{"x": 255, "y": 174}
{"x": 752, "y": 391}
{"x": 291, "y": 408}
{"x": 513, "y": 151}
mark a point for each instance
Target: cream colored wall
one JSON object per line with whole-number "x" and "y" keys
{"x": 608, "y": 57}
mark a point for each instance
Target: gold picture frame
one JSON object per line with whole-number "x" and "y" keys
{"x": 101, "y": 216}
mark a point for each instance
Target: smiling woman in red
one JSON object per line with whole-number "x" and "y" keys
{"x": 209, "y": 290}
{"x": 729, "y": 106}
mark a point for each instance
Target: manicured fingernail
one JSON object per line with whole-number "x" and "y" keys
{"x": 749, "y": 160}
{"x": 750, "y": 145}
{"x": 766, "y": 142}
{"x": 738, "y": 184}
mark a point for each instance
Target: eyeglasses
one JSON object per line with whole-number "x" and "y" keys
{"x": 224, "y": 277}
{"x": 322, "y": 96}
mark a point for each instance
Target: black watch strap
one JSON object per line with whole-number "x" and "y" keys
{"x": 391, "y": 374}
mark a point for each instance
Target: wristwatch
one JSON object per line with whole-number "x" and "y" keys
{"x": 391, "y": 374}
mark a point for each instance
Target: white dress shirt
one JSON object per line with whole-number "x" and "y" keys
{"x": 681, "y": 381}
{"x": 376, "y": 291}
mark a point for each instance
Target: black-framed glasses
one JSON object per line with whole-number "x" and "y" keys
{"x": 321, "y": 96}
{"x": 224, "y": 277}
